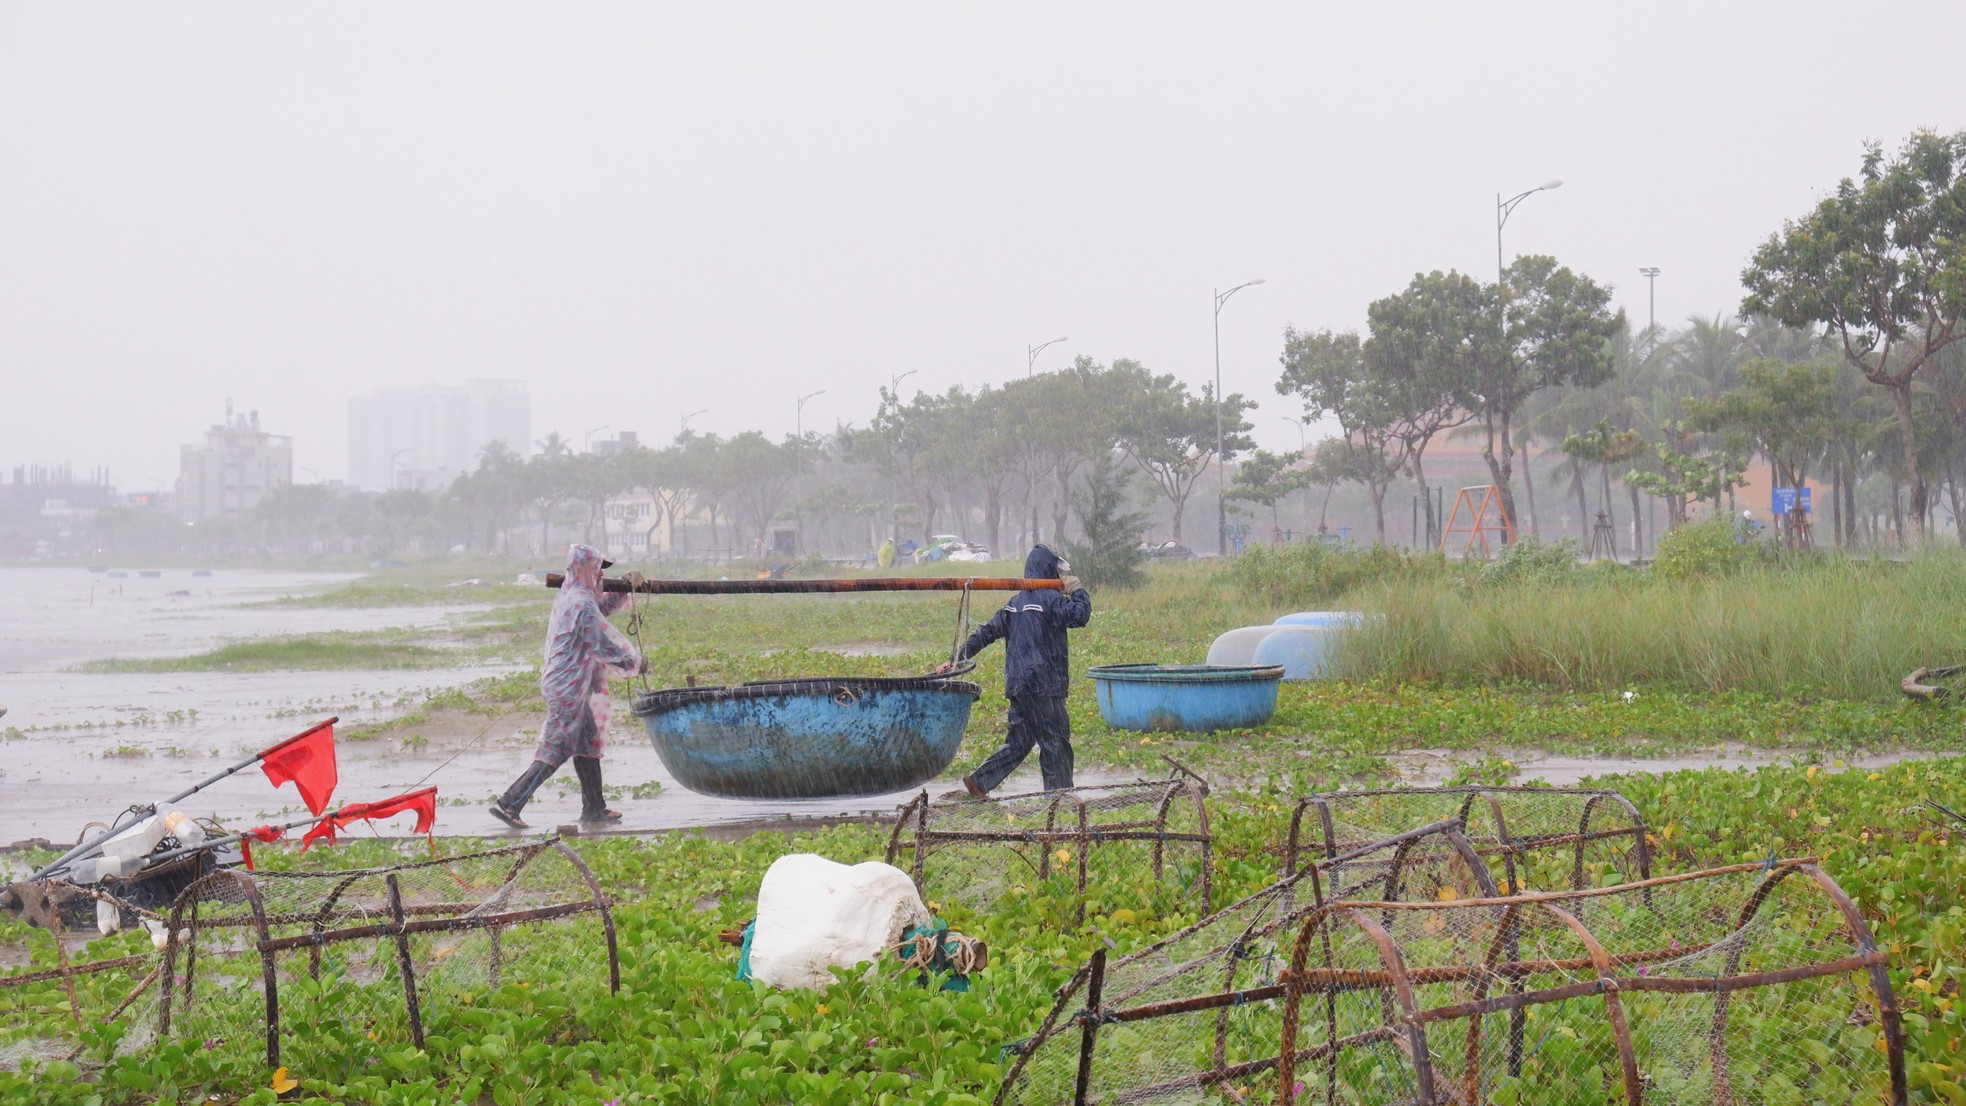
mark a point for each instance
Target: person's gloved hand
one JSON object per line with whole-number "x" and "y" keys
{"x": 634, "y": 580}
{"x": 642, "y": 667}
{"x": 1071, "y": 584}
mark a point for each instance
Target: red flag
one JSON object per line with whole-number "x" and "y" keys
{"x": 307, "y": 759}
{"x": 422, "y": 801}
{"x": 268, "y": 834}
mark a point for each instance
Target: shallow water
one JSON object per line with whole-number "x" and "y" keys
{"x": 92, "y": 744}
{"x": 76, "y": 746}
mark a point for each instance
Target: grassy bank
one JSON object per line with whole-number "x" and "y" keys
{"x": 683, "y": 1030}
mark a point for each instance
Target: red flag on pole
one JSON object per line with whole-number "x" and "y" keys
{"x": 422, "y": 801}
{"x": 307, "y": 759}
{"x": 268, "y": 834}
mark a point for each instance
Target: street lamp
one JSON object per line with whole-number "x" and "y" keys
{"x": 1651, "y": 275}
{"x": 799, "y": 426}
{"x": 1299, "y": 423}
{"x": 392, "y": 464}
{"x": 588, "y": 437}
{"x": 683, "y": 428}
{"x": 1031, "y": 353}
{"x": 1502, "y": 210}
{"x": 1221, "y": 477}
{"x": 894, "y": 384}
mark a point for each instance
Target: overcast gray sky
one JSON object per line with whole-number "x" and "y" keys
{"x": 644, "y": 209}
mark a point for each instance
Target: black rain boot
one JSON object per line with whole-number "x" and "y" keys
{"x": 593, "y": 806}
{"x": 508, "y": 806}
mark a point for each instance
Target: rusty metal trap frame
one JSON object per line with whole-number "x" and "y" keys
{"x": 1540, "y": 838}
{"x": 1104, "y": 833}
{"x": 1236, "y": 950}
{"x": 367, "y": 950}
{"x": 1755, "y": 983}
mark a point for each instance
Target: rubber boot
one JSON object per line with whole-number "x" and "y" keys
{"x": 508, "y": 806}
{"x": 593, "y": 807}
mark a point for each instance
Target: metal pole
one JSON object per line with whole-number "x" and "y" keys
{"x": 1221, "y": 476}
{"x": 151, "y": 808}
{"x": 1501, "y": 216}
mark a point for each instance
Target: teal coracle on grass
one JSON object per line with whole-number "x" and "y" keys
{"x": 1194, "y": 698}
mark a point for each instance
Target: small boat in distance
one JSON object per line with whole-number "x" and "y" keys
{"x": 149, "y": 573}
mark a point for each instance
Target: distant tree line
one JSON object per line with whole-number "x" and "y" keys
{"x": 1845, "y": 367}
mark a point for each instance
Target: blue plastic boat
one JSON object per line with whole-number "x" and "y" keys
{"x": 808, "y": 739}
{"x": 1190, "y": 698}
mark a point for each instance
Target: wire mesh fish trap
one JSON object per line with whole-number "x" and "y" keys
{"x": 1201, "y": 1010}
{"x": 55, "y": 983}
{"x": 1113, "y": 840}
{"x": 1542, "y": 838}
{"x": 1757, "y": 983}
{"x": 371, "y": 953}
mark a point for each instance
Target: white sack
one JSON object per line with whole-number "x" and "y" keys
{"x": 814, "y": 914}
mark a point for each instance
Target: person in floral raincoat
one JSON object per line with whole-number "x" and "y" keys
{"x": 583, "y": 649}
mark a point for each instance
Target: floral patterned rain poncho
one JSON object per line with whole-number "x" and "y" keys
{"x": 582, "y": 650}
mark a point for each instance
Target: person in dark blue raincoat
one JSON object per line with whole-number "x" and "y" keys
{"x": 1035, "y": 678}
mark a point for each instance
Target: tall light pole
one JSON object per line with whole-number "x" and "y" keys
{"x": 1221, "y": 469}
{"x": 1299, "y": 423}
{"x": 1502, "y": 210}
{"x": 587, "y": 439}
{"x": 1651, "y": 275}
{"x": 1031, "y": 353}
{"x": 799, "y": 427}
{"x": 683, "y": 426}
{"x": 894, "y": 384}
{"x": 392, "y": 465}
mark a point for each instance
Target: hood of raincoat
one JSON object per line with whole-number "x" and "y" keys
{"x": 585, "y": 558}
{"x": 1042, "y": 564}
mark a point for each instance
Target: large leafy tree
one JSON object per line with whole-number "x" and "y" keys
{"x": 1170, "y": 433}
{"x": 1267, "y": 478}
{"x": 760, "y": 474}
{"x": 1541, "y": 327}
{"x": 1329, "y": 373}
{"x": 1880, "y": 265}
{"x": 1789, "y": 413}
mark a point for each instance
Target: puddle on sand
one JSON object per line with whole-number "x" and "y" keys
{"x": 1431, "y": 767}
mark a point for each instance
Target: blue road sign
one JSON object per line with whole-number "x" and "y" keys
{"x": 1782, "y": 501}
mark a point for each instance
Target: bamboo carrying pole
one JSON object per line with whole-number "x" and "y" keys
{"x": 799, "y": 587}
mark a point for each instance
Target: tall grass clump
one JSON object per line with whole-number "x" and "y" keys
{"x": 1829, "y": 626}
{"x": 1311, "y": 573}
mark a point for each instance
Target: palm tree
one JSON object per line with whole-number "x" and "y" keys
{"x": 553, "y": 445}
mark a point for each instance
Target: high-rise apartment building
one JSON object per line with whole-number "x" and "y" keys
{"x": 429, "y": 435}
{"x": 236, "y": 464}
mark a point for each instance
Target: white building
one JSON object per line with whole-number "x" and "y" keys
{"x": 637, "y": 527}
{"x": 429, "y": 435}
{"x": 235, "y": 465}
